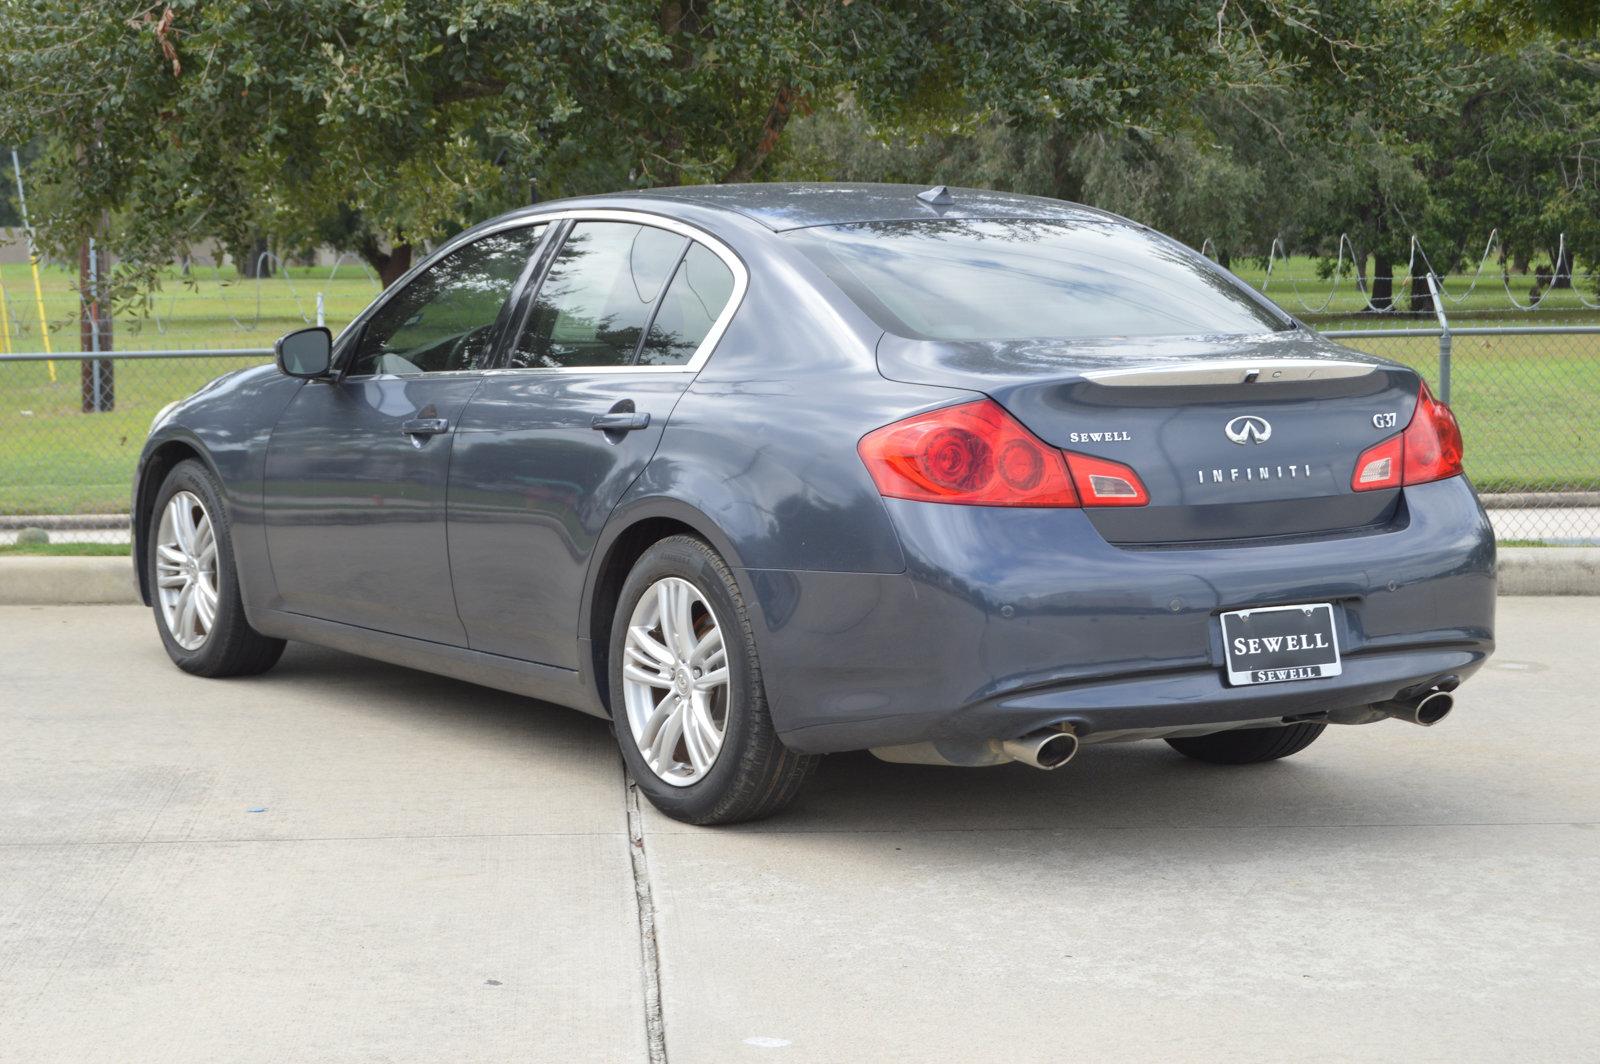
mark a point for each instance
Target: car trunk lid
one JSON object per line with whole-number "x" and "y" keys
{"x": 1235, "y": 438}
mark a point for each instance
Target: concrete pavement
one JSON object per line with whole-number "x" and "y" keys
{"x": 440, "y": 872}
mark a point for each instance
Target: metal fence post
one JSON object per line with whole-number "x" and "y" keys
{"x": 1444, "y": 337}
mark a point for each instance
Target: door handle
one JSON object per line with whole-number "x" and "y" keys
{"x": 621, "y": 421}
{"x": 425, "y": 426}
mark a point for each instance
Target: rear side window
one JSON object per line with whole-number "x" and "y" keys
{"x": 598, "y": 296}
{"x": 1016, "y": 279}
{"x": 443, "y": 319}
{"x": 694, "y": 300}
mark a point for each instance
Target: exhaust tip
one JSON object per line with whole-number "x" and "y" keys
{"x": 1057, "y": 750}
{"x": 1046, "y": 750}
{"x": 1434, "y": 708}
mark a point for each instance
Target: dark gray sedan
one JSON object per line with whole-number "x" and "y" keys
{"x": 765, "y": 472}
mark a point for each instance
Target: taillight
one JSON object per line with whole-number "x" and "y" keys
{"x": 1102, "y": 482}
{"x": 1429, "y": 449}
{"x": 1379, "y": 466}
{"x": 1433, "y": 441}
{"x": 976, "y": 454}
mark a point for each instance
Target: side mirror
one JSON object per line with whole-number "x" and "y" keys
{"x": 305, "y": 352}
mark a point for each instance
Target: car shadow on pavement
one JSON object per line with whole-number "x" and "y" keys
{"x": 1344, "y": 778}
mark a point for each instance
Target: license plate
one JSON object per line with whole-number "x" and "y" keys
{"x": 1278, "y": 643}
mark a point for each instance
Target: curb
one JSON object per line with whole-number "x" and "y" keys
{"x": 44, "y": 581}
{"x": 1549, "y": 570}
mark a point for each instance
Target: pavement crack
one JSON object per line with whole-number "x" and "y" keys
{"x": 655, "y": 1029}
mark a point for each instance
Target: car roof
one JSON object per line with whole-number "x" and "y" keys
{"x": 782, "y": 206}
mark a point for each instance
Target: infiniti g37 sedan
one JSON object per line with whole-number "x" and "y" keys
{"x": 765, "y": 472}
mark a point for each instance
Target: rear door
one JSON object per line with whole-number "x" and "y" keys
{"x": 628, "y": 309}
{"x": 357, "y": 467}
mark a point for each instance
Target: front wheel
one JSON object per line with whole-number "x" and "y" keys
{"x": 687, "y": 698}
{"x": 1247, "y": 746}
{"x": 194, "y": 585}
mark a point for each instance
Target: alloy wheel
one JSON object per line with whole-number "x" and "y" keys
{"x": 675, "y": 681}
{"x": 186, "y": 570}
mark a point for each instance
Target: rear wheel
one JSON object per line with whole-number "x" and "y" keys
{"x": 686, "y": 694}
{"x": 194, "y": 587}
{"x": 1248, "y": 746}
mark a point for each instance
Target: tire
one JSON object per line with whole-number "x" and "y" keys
{"x": 749, "y": 773}
{"x": 227, "y": 646}
{"x": 1248, "y": 746}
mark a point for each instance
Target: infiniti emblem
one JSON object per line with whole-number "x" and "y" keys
{"x": 1248, "y": 428}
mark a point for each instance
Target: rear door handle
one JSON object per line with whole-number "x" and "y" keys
{"x": 425, "y": 426}
{"x": 621, "y": 421}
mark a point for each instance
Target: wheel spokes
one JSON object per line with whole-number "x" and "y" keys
{"x": 674, "y": 663}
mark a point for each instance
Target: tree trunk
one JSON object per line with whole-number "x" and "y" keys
{"x": 391, "y": 265}
{"x": 248, "y": 260}
{"x": 1382, "y": 281}
{"x": 395, "y": 264}
{"x": 783, "y": 104}
{"x": 1519, "y": 261}
{"x": 1421, "y": 295}
{"x": 1224, "y": 259}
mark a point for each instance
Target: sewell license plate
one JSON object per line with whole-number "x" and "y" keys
{"x": 1277, "y": 643}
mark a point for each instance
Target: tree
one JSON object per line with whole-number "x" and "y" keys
{"x": 390, "y": 123}
{"x": 1510, "y": 23}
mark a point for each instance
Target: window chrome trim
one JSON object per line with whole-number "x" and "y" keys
{"x": 708, "y": 345}
{"x": 1230, "y": 371}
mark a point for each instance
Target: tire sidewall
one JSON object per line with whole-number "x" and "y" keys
{"x": 192, "y": 476}
{"x": 696, "y": 562}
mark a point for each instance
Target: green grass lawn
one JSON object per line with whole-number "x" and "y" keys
{"x": 1529, "y": 405}
{"x": 67, "y": 550}
{"x": 56, "y": 459}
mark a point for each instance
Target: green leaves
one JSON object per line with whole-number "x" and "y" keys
{"x": 395, "y": 122}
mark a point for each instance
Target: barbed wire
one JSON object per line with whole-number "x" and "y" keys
{"x": 1403, "y": 284}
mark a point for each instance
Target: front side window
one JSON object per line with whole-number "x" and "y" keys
{"x": 1024, "y": 279}
{"x": 596, "y": 300}
{"x": 444, "y": 318}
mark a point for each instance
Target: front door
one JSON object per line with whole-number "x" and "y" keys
{"x": 357, "y": 468}
{"x": 620, "y": 323}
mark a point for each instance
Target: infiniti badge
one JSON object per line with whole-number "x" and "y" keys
{"x": 1248, "y": 428}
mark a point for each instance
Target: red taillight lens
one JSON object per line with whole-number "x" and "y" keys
{"x": 1433, "y": 441}
{"x": 1102, "y": 482}
{"x": 1429, "y": 449}
{"x": 975, "y": 454}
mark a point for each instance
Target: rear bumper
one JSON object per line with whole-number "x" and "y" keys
{"x": 1010, "y": 620}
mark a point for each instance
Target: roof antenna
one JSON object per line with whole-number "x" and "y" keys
{"x": 938, "y": 195}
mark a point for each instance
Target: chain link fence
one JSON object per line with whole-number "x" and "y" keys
{"x": 71, "y": 426}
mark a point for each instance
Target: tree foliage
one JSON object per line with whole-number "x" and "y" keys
{"x": 381, "y": 124}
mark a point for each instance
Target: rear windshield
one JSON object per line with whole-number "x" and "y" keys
{"x": 1018, "y": 279}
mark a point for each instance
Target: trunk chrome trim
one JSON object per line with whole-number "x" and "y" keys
{"x": 1230, "y": 371}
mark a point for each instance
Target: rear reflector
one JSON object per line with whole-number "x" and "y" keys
{"x": 1429, "y": 449}
{"x": 976, "y": 454}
